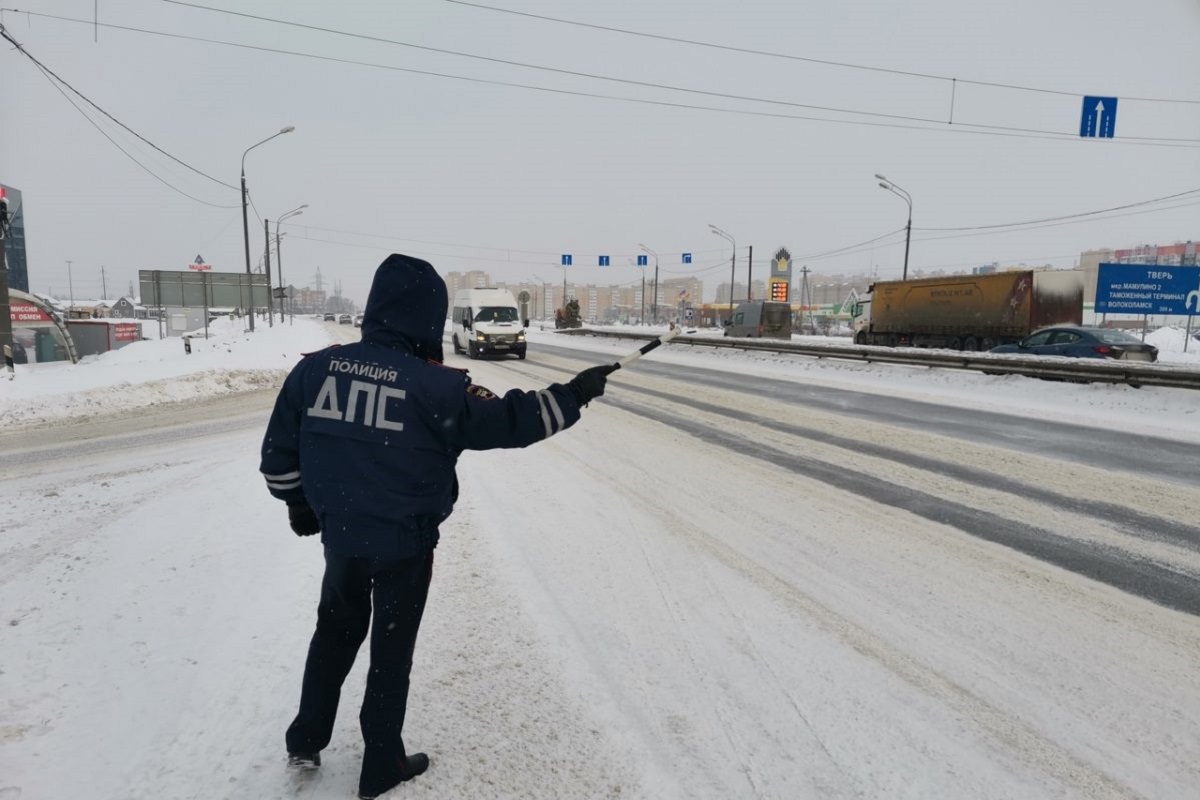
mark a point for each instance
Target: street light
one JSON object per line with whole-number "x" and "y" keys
{"x": 906, "y": 197}
{"x": 732, "y": 263}
{"x": 246, "y": 222}
{"x": 295, "y": 212}
{"x": 654, "y": 302}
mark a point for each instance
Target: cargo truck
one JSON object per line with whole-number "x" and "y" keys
{"x": 968, "y": 312}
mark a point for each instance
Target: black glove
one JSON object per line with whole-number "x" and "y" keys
{"x": 589, "y": 384}
{"x": 303, "y": 520}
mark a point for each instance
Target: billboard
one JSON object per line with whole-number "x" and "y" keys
{"x": 14, "y": 242}
{"x": 186, "y": 289}
{"x": 1145, "y": 289}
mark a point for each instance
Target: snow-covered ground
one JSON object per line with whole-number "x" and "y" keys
{"x": 652, "y": 605}
{"x": 151, "y": 373}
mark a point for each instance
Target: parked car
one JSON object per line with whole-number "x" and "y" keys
{"x": 358, "y": 318}
{"x": 1080, "y": 341}
{"x": 331, "y": 317}
{"x": 345, "y": 319}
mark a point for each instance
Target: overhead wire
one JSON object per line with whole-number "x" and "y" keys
{"x": 86, "y": 99}
{"x": 645, "y": 84}
{"x": 125, "y": 152}
{"x": 806, "y": 59}
{"x": 940, "y": 127}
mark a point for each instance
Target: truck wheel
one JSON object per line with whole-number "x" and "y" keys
{"x": 893, "y": 340}
{"x": 454, "y": 341}
{"x": 955, "y": 343}
{"x": 987, "y": 344}
{"x": 971, "y": 344}
{"x": 859, "y": 338}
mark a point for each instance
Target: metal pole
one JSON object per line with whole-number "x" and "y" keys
{"x": 279, "y": 269}
{"x": 70, "y": 289}
{"x": 907, "y": 238}
{"x": 642, "y": 313}
{"x": 749, "y": 273}
{"x": 267, "y": 266}
{"x": 204, "y": 289}
{"x": 246, "y": 237}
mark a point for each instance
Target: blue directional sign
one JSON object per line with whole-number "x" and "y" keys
{"x": 687, "y": 258}
{"x": 566, "y": 260}
{"x": 1099, "y": 118}
{"x": 643, "y": 261}
{"x": 604, "y": 261}
{"x": 1144, "y": 289}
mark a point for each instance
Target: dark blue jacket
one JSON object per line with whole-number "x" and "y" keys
{"x": 368, "y": 434}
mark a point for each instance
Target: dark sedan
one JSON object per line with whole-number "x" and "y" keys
{"x": 1075, "y": 341}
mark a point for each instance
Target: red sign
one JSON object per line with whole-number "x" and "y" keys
{"x": 27, "y": 312}
{"x": 200, "y": 267}
{"x": 127, "y": 331}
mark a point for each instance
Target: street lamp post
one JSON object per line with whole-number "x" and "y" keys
{"x": 295, "y": 212}
{"x": 906, "y": 197}
{"x": 246, "y": 221}
{"x": 654, "y": 302}
{"x": 732, "y": 263}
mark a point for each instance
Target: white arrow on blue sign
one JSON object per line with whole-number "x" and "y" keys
{"x": 687, "y": 258}
{"x": 1099, "y": 118}
{"x": 604, "y": 261}
{"x": 566, "y": 260}
{"x": 643, "y": 261}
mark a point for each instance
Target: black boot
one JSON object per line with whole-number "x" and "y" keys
{"x": 304, "y": 760}
{"x": 404, "y": 770}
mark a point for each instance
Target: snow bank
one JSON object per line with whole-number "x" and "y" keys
{"x": 1170, "y": 343}
{"x": 149, "y": 373}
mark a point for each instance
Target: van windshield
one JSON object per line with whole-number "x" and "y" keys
{"x": 496, "y": 314}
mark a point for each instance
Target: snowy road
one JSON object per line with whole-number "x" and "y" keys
{"x": 698, "y": 592}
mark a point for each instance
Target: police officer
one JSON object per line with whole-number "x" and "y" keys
{"x": 362, "y": 446}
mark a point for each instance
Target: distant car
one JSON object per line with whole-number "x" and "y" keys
{"x": 345, "y": 319}
{"x": 331, "y": 318}
{"x": 1079, "y": 341}
{"x": 358, "y": 319}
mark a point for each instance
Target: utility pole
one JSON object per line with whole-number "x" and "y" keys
{"x": 70, "y": 288}
{"x": 103, "y": 284}
{"x": 267, "y": 262}
{"x": 749, "y": 278}
{"x": 806, "y": 301}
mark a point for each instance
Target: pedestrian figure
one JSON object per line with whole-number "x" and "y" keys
{"x": 362, "y": 446}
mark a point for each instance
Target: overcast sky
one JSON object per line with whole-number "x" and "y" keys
{"x": 474, "y": 175}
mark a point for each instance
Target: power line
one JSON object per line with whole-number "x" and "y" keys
{"x": 940, "y": 127}
{"x": 1069, "y": 216}
{"x": 86, "y": 99}
{"x": 807, "y": 59}
{"x": 644, "y": 84}
{"x": 126, "y": 153}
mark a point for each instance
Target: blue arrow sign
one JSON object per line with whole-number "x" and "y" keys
{"x": 604, "y": 261}
{"x": 1099, "y": 118}
{"x": 1144, "y": 289}
{"x": 687, "y": 258}
{"x": 643, "y": 261}
{"x": 566, "y": 260}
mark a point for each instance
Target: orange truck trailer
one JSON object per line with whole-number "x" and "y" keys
{"x": 968, "y": 312}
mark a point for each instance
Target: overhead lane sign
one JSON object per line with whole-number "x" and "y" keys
{"x": 1099, "y": 119}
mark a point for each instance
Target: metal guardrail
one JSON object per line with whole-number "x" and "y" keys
{"x": 1071, "y": 369}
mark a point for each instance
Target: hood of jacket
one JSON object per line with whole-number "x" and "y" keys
{"x": 406, "y": 309}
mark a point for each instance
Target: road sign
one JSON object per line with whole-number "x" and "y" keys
{"x": 1145, "y": 289}
{"x": 689, "y": 314}
{"x": 687, "y": 258}
{"x": 1099, "y": 119}
{"x": 604, "y": 261}
{"x": 643, "y": 261}
{"x": 280, "y": 294}
{"x": 566, "y": 260}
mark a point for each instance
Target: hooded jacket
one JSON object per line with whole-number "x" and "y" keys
{"x": 369, "y": 434}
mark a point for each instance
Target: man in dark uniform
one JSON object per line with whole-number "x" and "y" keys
{"x": 362, "y": 447}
